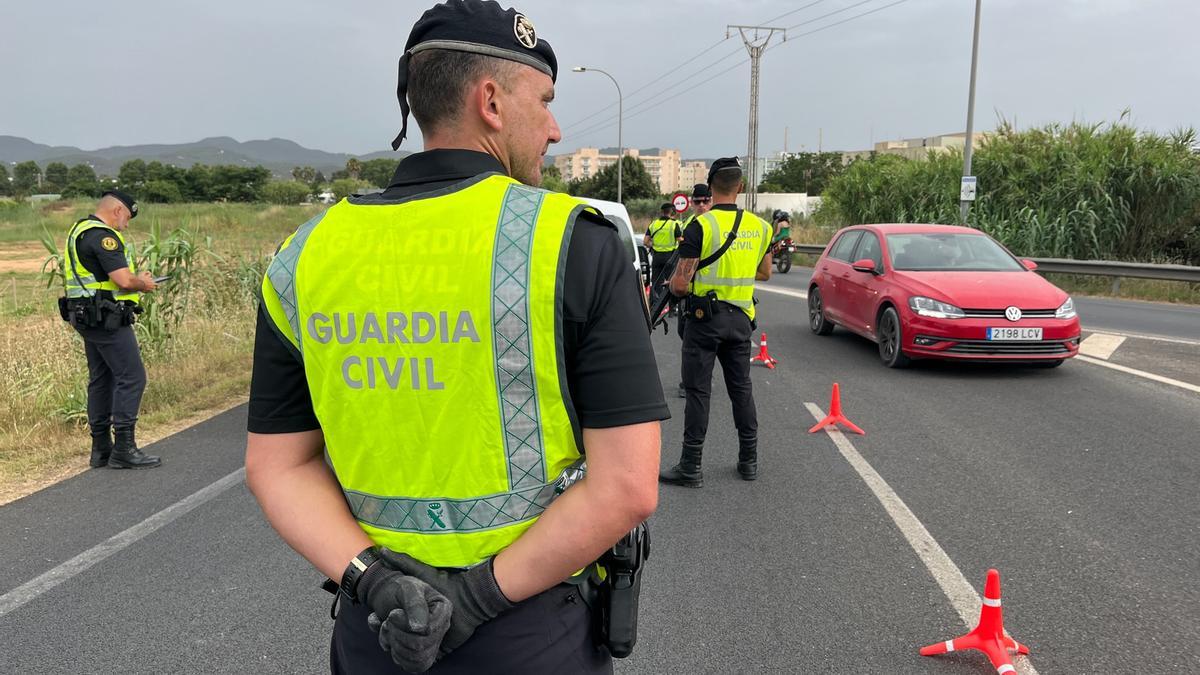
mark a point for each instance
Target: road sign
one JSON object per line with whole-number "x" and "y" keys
{"x": 967, "y": 190}
{"x": 680, "y": 202}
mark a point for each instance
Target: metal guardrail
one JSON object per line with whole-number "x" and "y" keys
{"x": 1103, "y": 268}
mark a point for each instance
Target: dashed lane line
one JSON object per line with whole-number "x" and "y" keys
{"x": 783, "y": 291}
{"x": 962, "y": 595}
{"x": 31, "y": 589}
{"x": 1101, "y": 345}
{"x": 1143, "y": 336}
{"x": 1140, "y": 373}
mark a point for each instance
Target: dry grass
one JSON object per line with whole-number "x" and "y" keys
{"x": 203, "y": 368}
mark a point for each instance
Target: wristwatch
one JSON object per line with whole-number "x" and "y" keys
{"x": 354, "y": 571}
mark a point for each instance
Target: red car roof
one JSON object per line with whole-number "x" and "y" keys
{"x": 916, "y": 228}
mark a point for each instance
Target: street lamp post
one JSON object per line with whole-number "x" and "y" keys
{"x": 969, "y": 145}
{"x": 620, "y": 120}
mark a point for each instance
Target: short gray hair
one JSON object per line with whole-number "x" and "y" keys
{"x": 438, "y": 80}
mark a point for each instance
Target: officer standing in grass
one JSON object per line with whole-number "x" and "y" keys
{"x": 418, "y": 416}
{"x": 722, "y": 254}
{"x": 662, "y": 236}
{"x": 102, "y": 299}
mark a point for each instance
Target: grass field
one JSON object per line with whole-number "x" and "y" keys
{"x": 203, "y": 364}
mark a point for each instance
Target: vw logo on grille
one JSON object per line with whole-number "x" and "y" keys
{"x": 1012, "y": 313}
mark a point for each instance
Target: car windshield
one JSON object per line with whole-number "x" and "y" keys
{"x": 955, "y": 252}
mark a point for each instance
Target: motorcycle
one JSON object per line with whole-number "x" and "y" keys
{"x": 782, "y": 252}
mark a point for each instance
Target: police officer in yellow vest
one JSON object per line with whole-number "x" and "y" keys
{"x": 456, "y": 395}
{"x": 102, "y": 299}
{"x": 662, "y": 236}
{"x": 722, "y": 254}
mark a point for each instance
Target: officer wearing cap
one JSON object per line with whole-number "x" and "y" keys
{"x": 456, "y": 395}
{"x": 722, "y": 254}
{"x": 102, "y": 299}
{"x": 662, "y": 236}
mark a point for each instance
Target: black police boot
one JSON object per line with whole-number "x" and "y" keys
{"x": 102, "y": 446}
{"x": 126, "y": 454}
{"x": 748, "y": 462}
{"x": 687, "y": 471}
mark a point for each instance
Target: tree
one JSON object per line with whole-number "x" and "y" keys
{"x": 344, "y": 187}
{"x": 304, "y": 174}
{"x": 636, "y": 182}
{"x": 552, "y": 179}
{"x": 353, "y": 168}
{"x": 56, "y": 177}
{"x": 286, "y": 192}
{"x": 319, "y": 179}
{"x": 25, "y": 178}
{"x": 132, "y": 174}
{"x": 5, "y": 186}
{"x": 160, "y": 192}
{"x": 238, "y": 183}
{"x": 808, "y": 172}
{"x": 81, "y": 182}
{"x": 378, "y": 172}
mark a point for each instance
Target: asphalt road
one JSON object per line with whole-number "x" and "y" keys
{"x": 1077, "y": 483}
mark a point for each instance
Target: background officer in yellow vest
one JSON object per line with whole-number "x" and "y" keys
{"x": 662, "y": 236}
{"x": 720, "y": 311}
{"x": 455, "y": 395}
{"x": 701, "y": 203}
{"x": 103, "y": 284}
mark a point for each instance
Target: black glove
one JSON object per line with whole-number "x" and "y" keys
{"x": 410, "y": 616}
{"x": 473, "y": 593}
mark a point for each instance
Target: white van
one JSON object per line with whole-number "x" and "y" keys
{"x": 617, "y": 215}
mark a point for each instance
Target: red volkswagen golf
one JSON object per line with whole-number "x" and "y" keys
{"x": 939, "y": 291}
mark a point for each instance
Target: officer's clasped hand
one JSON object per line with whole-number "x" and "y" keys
{"x": 411, "y": 617}
{"x": 473, "y": 594}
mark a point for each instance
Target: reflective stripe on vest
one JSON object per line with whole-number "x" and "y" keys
{"x": 79, "y": 281}
{"x": 732, "y": 276}
{"x": 434, "y": 361}
{"x": 662, "y": 238}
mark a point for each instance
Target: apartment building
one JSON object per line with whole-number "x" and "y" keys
{"x": 917, "y": 148}
{"x": 663, "y": 165}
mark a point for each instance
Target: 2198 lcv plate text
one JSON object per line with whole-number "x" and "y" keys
{"x": 1012, "y": 333}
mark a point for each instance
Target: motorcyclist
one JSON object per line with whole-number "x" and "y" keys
{"x": 782, "y": 220}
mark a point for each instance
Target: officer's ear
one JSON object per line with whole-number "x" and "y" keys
{"x": 486, "y": 99}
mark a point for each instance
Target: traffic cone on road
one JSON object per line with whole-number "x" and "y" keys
{"x": 763, "y": 357}
{"x": 989, "y": 636}
{"x": 835, "y": 415}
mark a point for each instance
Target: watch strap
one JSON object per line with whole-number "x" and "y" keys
{"x": 355, "y": 570}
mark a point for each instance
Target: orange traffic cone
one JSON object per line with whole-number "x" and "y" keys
{"x": 763, "y": 357}
{"x": 835, "y": 415}
{"x": 989, "y": 636}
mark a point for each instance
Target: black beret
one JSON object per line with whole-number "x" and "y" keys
{"x": 701, "y": 190}
{"x": 479, "y": 27}
{"x": 126, "y": 199}
{"x": 723, "y": 164}
{"x": 666, "y": 205}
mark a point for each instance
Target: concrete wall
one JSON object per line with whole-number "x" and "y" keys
{"x": 795, "y": 202}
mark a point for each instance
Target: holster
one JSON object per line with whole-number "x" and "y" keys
{"x": 621, "y": 588}
{"x": 81, "y": 312}
{"x": 702, "y": 308}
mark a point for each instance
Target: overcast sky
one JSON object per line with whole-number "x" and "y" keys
{"x": 94, "y": 74}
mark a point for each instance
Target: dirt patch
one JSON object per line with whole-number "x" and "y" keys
{"x": 21, "y": 258}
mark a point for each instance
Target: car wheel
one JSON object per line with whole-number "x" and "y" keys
{"x": 816, "y": 314}
{"x": 784, "y": 262}
{"x": 890, "y": 340}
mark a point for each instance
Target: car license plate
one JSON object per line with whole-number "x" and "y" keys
{"x": 1014, "y": 334}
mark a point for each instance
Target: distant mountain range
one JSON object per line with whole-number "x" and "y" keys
{"x": 277, "y": 154}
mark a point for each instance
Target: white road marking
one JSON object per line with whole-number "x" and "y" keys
{"x": 783, "y": 291}
{"x": 31, "y": 589}
{"x": 1140, "y": 373}
{"x": 1100, "y": 345}
{"x": 1156, "y": 338}
{"x": 958, "y": 590}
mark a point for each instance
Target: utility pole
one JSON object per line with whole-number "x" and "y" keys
{"x": 969, "y": 143}
{"x": 755, "y": 38}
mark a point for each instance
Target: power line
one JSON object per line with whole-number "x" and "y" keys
{"x": 826, "y": 16}
{"x": 798, "y": 9}
{"x": 838, "y": 23}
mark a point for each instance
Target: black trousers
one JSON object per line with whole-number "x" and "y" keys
{"x": 725, "y": 337}
{"x": 552, "y": 632}
{"x": 658, "y": 263}
{"x": 116, "y": 376}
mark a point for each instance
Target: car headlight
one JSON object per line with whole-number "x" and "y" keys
{"x": 934, "y": 309}
{"x": 1066, "y": 311}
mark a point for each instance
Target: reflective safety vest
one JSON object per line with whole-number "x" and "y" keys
{"x": 732, "y": 276}
{"x": 662, "y": 234}
{"x": 80, "y": 282}
{"x": 435, "y": 362}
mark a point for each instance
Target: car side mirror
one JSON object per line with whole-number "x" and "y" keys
{"x": 865, "y": 265}
{"x": 1029, "y": 264}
